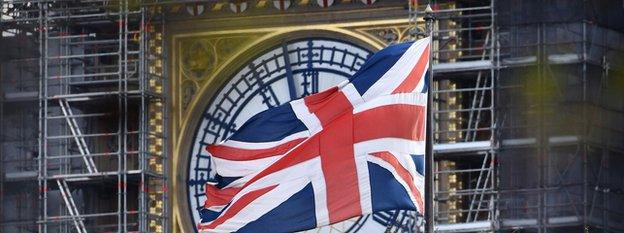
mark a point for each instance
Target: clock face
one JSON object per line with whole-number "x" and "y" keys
{"x": 286, "y": 72}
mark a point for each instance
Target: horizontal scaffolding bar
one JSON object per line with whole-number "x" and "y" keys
{"x": 60, "y": 218}
{"x": 464, "y": 170}
{"x": 465, "y": 227}
{"x": 77, "y": 116}
{"x": 84, "y": 75}
{"x": 71, "y": 36}
{"x": 79, "y": 136}
{"x": 454, "y": 10}
{"x": 85, "y": 55}
{"x": 87, "y": 176}
{"x": 463, "y": 110}
{"x": 465, "y": 90}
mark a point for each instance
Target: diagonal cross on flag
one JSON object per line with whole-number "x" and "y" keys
{"x": 348, "y": 151}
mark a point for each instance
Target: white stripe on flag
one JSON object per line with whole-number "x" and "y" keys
{"x": 264, "y": 145}
{"x": 361, "y": 165}
{"x": 320, "y": 197}
{"x": 406, "y": 162}
{"x": 390, "y": 144}
{"x": 421, "y": 81}
{"x": 398, "y": 72}
{"x": 419, "y": 99}
{"x": 310, "y": 120}
{"x": 232, "y": 168}
{"x": 352, "y": 94}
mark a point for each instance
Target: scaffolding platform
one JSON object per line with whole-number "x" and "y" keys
{"x": 26, "y": 96}
{"x": 463, "y": 66}
{"x": 443, "y": 148}
{"x": 480, "y": 226}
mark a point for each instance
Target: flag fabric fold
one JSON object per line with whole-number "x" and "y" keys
{"x": 351, "y": 150}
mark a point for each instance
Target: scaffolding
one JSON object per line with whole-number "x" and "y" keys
{"x": 559, "y": 116}
{"x": 526, "y": 111}
{"x": 18, "y": 150}
{"x": 18, "y": 111}
{"x": 102, "y": 118}
{"x": 464, "y": 68}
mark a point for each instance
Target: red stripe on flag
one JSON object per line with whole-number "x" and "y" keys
{"x": 219, "y": 197}
{"x": 238, "y": 154}
{"x": 337, "y": 160}
{"x": 414, "y": 76}
{"x": 237, "y": 207}
{"x": 306, "y": 151}
{"x": 405, "y": 175}
{"x": 334, "y": 111}
{"x": 328, "y": 105}
{"x": 390, "y": 121}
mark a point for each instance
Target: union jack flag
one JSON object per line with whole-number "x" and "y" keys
{"x": 351, "y": 150}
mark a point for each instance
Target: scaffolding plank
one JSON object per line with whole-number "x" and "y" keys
{"x": 462, "y": 146}
{"x": 23, "y": 175}
{"x": 465, "y": 227}
{"x": 565, "y": 58}
{"x": 552, "y": 141}
{"x": 21, "y": 96}
{"x": 519, "y": 61}
{"x": 462, "y": 66}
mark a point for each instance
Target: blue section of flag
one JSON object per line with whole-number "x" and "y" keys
{"x": 419, "y": 160}
{"x": 223, "y": 181}
{"x": 292, "y": 215}
{"x": 207, "y": 215}
{"x": 377, "y": 65}
{"x": 426, "y": 86}
{"x": 270, "y": 125}
{"x": 386, "y": 192}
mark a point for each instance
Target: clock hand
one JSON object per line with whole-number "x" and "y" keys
{"x": 289, "y": 73}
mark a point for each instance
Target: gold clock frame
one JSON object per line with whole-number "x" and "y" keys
{"x": 183, "y": 119}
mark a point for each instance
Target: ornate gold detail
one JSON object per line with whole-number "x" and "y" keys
{"x": 187, "y": 92}
{"x": 198, "y": 59}
{"x": 202, "y": 60}
{"x": 201, "y": 57}
{"x": 389, "y": 34}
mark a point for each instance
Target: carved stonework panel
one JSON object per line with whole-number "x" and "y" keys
{"x": 389, "y": 34}
{"x": 198, "y": 59}
{"x": 188, "y": 89}
{"x": 201, "y": 58}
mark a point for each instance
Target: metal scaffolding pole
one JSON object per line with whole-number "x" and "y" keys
{"x": 429, "y": 209}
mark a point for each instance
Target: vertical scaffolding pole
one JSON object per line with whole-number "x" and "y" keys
{"x": 1, "y": 143}
{"x": 124, "y": 112}
{"x": 43, "y": 95}
{"x": 40, "y": 178}
{"x": 493, "y": 75}
{"x": 120, "y": 70}
{"x": 429, "y": 215}
{"x": 142, "y": 125}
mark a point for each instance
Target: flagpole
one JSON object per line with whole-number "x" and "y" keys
{"x": 429, "y": 215}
